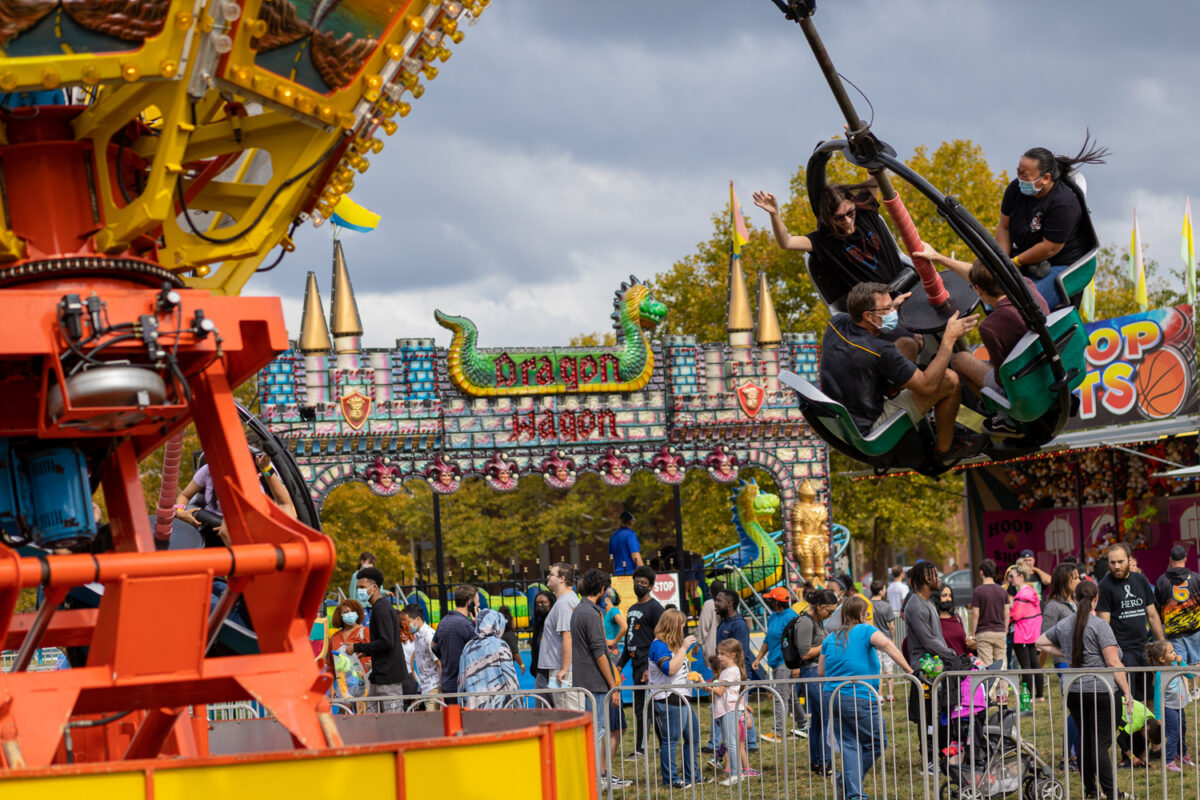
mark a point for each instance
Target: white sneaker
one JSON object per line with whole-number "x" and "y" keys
{"x": 614, "y": 782}
{"x": 731, "y": 780}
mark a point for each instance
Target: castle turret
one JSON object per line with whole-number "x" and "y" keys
{"x": 767, "y": 335}
{"x": 347, "y": 325}
{"x": 314, "y": 344}
{"x": 739, "y": 324}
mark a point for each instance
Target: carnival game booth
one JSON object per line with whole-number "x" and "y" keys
{"x": 1103, "y": 480}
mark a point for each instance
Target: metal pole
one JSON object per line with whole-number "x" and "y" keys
{"x": 678, "y": 525}
{"x": 441, "y": 558}
{"x": 1079, "y": 501}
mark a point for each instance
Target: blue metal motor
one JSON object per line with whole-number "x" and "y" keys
{"x": 45, "y": 496}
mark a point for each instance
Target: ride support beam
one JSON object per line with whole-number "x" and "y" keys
{"x": 856, "y": 129}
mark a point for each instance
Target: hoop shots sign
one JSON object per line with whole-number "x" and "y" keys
{"x": 1140, "y": 367}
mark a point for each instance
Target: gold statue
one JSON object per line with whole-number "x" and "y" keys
{"x": 810, "y": 535}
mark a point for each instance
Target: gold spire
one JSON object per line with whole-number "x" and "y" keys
{"x": 346, "y": 321}
{"x": 738, "y": 317}
{"x": 314, "y": 334}
{"x": 768, "y": 335}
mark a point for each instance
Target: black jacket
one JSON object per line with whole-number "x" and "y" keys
{"x": 387, "y": 654}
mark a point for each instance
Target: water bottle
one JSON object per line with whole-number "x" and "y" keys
{"x": 1026, "y": 699}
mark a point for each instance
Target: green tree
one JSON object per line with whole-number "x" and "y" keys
{"x": 1116, "y": 292}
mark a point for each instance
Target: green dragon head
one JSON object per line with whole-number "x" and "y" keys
{"x": 755, "y": 505}
{"x": 633, "y": 302}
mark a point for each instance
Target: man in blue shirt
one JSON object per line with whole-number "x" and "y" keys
{"x": 781, "y": 614}
{"x": 624, "y": 548}
{"x": 732, "y": 626}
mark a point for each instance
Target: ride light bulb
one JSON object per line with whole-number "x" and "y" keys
{"x": 416, "y": 24}
{"x": 231, "y": 11}
{"x": 222, "y": 43}
{"x": 453, "y": 9}
{"x": 50, "y": 79}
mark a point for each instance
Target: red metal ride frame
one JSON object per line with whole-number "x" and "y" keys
{"x": 147, "y": 639}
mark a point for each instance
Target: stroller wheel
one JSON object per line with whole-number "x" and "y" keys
{"x": 1048, "y": 790}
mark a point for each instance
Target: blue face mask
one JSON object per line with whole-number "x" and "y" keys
{"x": 1028, "y": 188}
{"x": 350, "y": 618}
{"x": 889, "y": 321}
{"x": 364, "y": 596}
{"x": 414, "y": 626}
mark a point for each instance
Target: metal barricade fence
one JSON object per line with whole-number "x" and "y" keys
{"x": 780, "y": 763}
{"x": 1072, "y": 740}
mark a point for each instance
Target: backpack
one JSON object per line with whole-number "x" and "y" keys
{"x": 792, "y": 657}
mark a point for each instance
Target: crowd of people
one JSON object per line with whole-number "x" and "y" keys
{"x": 580, "y": 641}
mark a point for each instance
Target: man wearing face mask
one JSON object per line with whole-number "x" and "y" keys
{"x": 642, "y": 619}
{"x": 424, "y": 664}
{"x": 389, "y": 673}
{"x": 453, "y": 632}
{"x": 865, "y": 372}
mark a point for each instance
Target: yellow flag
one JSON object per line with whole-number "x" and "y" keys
{"x": 1138, "y": 265}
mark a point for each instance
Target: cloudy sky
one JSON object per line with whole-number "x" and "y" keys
{"x": 568, "y": 144}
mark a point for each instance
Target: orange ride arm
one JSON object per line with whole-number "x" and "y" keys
{"x": 930, "y": 279}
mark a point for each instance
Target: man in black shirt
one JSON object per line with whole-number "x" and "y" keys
{"x": 389, "y": 672}
{"x": 1126, "y": 602}
{"x": 642, "y": 618}
{"x": 859, "y": 367}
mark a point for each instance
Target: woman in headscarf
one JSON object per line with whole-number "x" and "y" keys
{"x": 486, "y": 664}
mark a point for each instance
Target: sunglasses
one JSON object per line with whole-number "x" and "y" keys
{"x": 848, "y": 215}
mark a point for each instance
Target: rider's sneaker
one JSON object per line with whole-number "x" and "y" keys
{"x": 999, "y": 426}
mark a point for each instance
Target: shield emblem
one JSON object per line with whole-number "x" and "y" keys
{"x": 355, "y": 408}
{"x": 750, "y": 397}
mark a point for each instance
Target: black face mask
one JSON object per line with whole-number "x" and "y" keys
{"x": 540, "y": 614}
{"x": 640, "y": 590}
{"x": 945, "y": 606}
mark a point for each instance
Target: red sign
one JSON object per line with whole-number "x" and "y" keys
{"x": 355, "y": 408}
{"x": 666, "y": 588}
{"x": 750, "y": 397}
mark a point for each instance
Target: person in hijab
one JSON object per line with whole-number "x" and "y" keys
{"x": 486, "y": 664}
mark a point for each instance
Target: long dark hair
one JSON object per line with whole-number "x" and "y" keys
{"x": 1060, "y": 579}
{"x": 1090, "y": 153}
{"x": 837, "y": 193}
{"x": 923, "y": 573}
{"x": 1085, "y": 597}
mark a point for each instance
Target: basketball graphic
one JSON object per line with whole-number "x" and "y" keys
{"x": 1161, "y": 381}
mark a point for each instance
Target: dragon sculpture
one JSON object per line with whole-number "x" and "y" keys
{"x": 758, "y": 555}
{"x": 564, "y": 371}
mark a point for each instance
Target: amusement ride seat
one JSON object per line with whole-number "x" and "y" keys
{"x": 1074, "y": 279}
{"x": 1026, "y": 372}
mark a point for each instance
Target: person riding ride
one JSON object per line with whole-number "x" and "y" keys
{"x": 859, "y": 367}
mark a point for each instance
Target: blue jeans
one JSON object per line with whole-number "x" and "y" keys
{"x": 1187, "y": 647}
{"x": 1176, "y": 743}
{"x": 1048, "y": 289}
{"x": 858, "y": 726}
{"x": 673, "y": 723}
{"x": 819, "y": 753}
{"x": 729, "y": 734}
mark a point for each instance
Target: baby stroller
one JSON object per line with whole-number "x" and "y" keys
{"x": 990, "y": 759}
